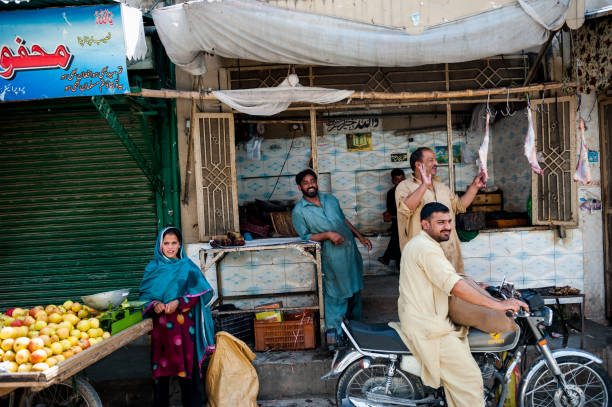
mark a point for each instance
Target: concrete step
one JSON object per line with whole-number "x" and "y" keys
{"x": 293, "y": 374}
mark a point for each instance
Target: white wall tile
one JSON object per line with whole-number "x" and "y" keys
{"x": 367, "y": 180}
{"x": 372, "y": 160}
{"x": 324, "y": 181}
{"x": 569, "y": 265}
{"x": 509, "y": 267}
{"x": 327, "y": 162}
{"x": 538, "y": 242}
{"x": 326, "y": 144}
{"x": 236, "y": 259}
{"x": 571, "y": 244}
{"x": 480, "y": 246}
{"x": 300, "y": 301}
{"x": 347, "y": 161}
{"x": 347, "y": 199}
{"x": 505, "y": 244}
{"x": 539, "y": 267}
{"x": 265, "y": 257}
{"x": 299, "y": 276}
{"x": 478, "y": 268}
{"x": 236, "y": 280}
{"x": 342, "y": 181}
{"x": 378, "y": 141}
{"x": 396, "y": 144}
{"x": 274, "y": 147}
{"x": 269, "y": 278}
{"x": 368, "y": 198}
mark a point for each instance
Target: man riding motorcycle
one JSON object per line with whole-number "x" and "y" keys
{"x": 427, "y": 279}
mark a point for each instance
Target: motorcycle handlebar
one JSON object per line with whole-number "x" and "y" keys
{"x": 521, "y": 314}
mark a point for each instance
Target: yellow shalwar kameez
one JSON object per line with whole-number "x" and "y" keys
{"x": 426, "y": 280}
{"x": 409, "y": 220}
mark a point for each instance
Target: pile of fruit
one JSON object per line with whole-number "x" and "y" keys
{"x": 39, "y": 338}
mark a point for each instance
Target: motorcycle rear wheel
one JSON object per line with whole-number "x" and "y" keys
{"x": 356, "y": 382}
{"x": 588, "y": 383}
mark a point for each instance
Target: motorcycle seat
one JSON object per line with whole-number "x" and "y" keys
{"x": 376, "y": 337}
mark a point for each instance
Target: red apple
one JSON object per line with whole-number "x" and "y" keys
{"x": 36, "y": 344}
{"x": 38, "y": 356}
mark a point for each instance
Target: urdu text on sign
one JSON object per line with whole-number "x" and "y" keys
{"x": 62, "y": 52}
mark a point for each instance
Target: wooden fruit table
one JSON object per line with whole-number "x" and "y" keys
{"x": 71, "y": 366}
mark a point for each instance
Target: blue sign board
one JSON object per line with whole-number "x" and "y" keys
{"x": 61, "y": 52}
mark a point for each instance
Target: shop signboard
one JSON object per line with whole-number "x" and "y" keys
{"x": 62, "y": 52}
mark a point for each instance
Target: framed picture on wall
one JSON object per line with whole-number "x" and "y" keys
{"x": 359, "y": 142}
{"x": 442, "y": 154}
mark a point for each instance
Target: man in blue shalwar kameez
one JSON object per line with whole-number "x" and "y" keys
{"x": 318, "y": 217}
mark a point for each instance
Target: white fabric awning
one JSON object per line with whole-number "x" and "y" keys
{"x": 270, "y": 101}
{"x": 249, "y": 29}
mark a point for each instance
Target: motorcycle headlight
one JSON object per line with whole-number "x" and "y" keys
{"x": 544, "y": 316}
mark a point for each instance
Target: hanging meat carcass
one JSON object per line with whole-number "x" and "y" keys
{"x": 483, "y": 151}
{"x": 530, "y": 147}
{"x": 583, "y": 172}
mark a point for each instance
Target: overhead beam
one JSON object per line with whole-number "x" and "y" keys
{"x": 433, "y": 95}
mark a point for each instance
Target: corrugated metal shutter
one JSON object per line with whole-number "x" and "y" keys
{"x": 77, "y": 215}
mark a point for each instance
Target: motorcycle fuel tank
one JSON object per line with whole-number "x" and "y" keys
{"x": 492, "y": 341}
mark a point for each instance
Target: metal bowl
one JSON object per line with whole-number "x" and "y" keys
{"x": 102, "y": 301}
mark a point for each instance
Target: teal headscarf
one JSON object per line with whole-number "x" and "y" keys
{"x": 166, "y": 279}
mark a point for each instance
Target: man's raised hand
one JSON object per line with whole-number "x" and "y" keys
{"x": 425, "y": 178}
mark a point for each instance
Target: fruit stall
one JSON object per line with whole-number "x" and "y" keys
{"x": 43, "y": 348}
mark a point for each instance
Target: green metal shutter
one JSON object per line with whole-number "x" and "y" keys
{"x": 77, "y": 215}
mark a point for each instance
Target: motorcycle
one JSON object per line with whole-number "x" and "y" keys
{"x": 376, "y": 369}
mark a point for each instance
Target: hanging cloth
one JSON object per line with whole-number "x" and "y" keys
{"x": 270, "y": 101}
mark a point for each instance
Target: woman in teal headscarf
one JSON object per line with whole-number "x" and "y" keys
{"x": 177, "y": 296}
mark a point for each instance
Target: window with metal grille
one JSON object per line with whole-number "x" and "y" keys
{"x": 554, "y": 194}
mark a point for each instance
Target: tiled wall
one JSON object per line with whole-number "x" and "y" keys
{"x": 512, "y": 172}
{"x": 535, "y": 258}
{"x": 263, "y": 272}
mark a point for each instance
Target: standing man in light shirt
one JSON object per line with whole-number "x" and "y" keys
{"x": 424, "y": 187}
{"x": 318, "y": 217}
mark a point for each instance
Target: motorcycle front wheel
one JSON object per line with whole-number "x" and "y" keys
{"x": 358, "y": 382}
{"x": 588, "y": 385}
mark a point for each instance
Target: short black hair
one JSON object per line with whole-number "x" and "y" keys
{"x": 300, "y": 176}
{"x": 431, "y": 208}
{"x": 417, "y": 155}
{"x": 396, "y": 172}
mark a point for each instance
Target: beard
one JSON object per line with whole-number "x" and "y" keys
{"x": 443, "y": 237}
{"x": 310, "y": 192}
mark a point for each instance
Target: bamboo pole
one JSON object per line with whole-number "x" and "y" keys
{"x": 434, "y": 95}
{"x": 449, "y": 135}
{"x": 314, "y": 145}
